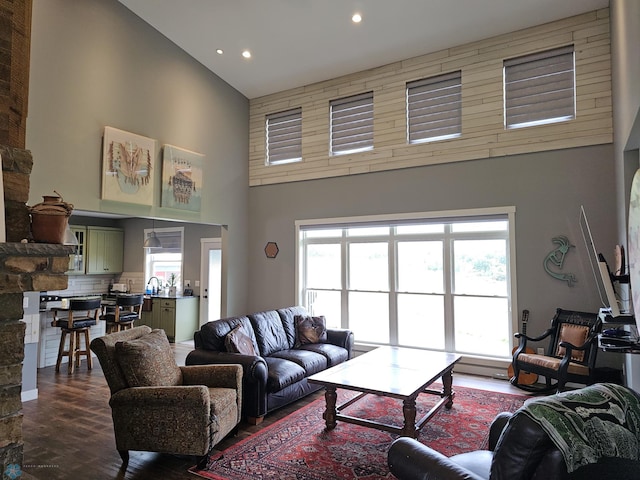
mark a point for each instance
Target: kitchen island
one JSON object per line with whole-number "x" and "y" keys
{"x": 178, "y": 316}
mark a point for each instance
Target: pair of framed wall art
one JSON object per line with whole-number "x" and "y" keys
{"x": 128, "y": 167}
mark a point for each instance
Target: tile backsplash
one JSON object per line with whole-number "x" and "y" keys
{"x": 99, "y": 284}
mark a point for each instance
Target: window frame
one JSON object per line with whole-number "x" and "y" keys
{"x": 288, "y": 128}
{"x": 148, "y": 271}
{"x": 503, "y": 213}
{"x": 342, "y": 112}
{"x": 545, "y": 64}
{"x": 432, "y": 102}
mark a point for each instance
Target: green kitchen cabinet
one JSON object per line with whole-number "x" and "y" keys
{"x": 78, "y": 258}
{"x": 178, "y": 317}
{"x": 105, "y": 250}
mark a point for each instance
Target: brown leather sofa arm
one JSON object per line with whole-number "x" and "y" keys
{"x": 341, "y": 338}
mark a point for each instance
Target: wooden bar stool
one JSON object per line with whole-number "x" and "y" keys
{"x": 81, "y": 315}
{"x": 126, "y": 311}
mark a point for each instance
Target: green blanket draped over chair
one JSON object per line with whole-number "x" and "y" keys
{"x": 601, "y": 420}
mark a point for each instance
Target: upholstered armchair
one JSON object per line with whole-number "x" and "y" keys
{"x": 158, "y": 406}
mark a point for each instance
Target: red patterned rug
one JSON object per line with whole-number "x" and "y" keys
{"x": 298, "y": 447}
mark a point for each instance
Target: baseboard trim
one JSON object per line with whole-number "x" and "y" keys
{"x": 29, "y": 395}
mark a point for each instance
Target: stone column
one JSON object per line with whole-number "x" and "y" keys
{"x": 23, "y": 267}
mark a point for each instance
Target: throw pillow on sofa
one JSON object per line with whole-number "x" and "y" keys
{"x": 149, "y": 361}
{"x": 237, "y": 341}
{"x": 310, "y": 329}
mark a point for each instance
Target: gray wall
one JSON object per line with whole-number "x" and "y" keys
{"x": 625, "y": 59}
{"x": 625, "y": 67}
{"x": 96, "y": 64}
{"x": 547, "y": 190}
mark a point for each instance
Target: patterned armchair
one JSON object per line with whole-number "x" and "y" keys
{"x": 158, "y": 406}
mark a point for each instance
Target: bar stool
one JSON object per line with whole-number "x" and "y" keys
{"x": 126, "y": 311}
{"x": 81, "y": 315}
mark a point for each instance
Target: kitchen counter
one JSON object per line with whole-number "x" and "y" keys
{"x": 177, "y": 297}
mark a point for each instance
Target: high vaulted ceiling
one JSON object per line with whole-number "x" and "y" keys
{"x": 298, "y": 42}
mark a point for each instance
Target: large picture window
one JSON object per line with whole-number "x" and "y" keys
{"x": 433, "y": 282}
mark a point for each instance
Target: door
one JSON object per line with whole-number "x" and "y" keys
{"x": 210, "y": 279}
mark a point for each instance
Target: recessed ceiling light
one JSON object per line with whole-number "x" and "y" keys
{"x": 246, "y": 54}
{"x": 356, "y": 18}
{"x": 219, "y": 51}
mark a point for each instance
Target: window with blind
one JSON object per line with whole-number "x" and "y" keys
{"x": 352, "y": 124}
{"x": 434, "y": 108}
{"x": 540, "y": 88}
{"x": 161, "y": 262}
{"x": 284, "y": 137}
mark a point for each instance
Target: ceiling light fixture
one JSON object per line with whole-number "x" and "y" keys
{"x": 152, "y": 241}
{"x": 219, "y": 51}
{"x": 246, "y": 54}
{"x": 356, "y": 18}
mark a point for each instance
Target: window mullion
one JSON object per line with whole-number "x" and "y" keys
{"x": 393, "y": 288}
{"x": 449, "y": 327}
{"x": 345, "y": 279}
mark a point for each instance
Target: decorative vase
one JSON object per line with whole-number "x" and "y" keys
{"x": 173, "y": 291}
{"x": 49, "y": 219}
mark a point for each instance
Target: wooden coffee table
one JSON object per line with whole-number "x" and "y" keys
{"x": 396, "y": 372}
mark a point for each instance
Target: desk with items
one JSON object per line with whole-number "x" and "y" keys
{"x": 620, "y": 333}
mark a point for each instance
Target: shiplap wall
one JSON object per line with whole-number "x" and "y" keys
{"x": 483, "y": 132}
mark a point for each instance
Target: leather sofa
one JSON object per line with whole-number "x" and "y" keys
{"x": 277, "y": 373}
{"x": 519, "y": 449}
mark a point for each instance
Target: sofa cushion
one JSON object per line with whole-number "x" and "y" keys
{"x": 269, "y": 331}
{"x": 148, "y": 361}
{"x": 212, "y": 334}
{"x": 237, "y": 341}
{"x": 310, "y": 329}
{"x": 312, "y": 362}
{"x": 282, "y": 373}
{"x": 332, "y": 353}
{"x": 288, "y": 321}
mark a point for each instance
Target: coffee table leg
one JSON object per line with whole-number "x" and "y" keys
{"x": 330, "y": 411}
{"x": 409, "y": 412}
{"x": 447, "y": 391}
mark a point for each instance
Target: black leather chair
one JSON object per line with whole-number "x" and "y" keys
{"x": 81, "y": 315}
{"x": 519, "y": 449}
{"x": 124, "y": 314}
{"x": 570, "y": 355}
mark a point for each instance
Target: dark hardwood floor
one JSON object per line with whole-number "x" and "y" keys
{"x": 68, "y": 431}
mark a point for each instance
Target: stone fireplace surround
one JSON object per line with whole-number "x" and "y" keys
{"x": 24, "y": 267}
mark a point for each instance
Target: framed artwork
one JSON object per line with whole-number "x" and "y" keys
{"x": 181, "y": 178}
{"x": 128, "y": 161}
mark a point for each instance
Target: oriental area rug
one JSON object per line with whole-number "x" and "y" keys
{"x": 298, "y": 447}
